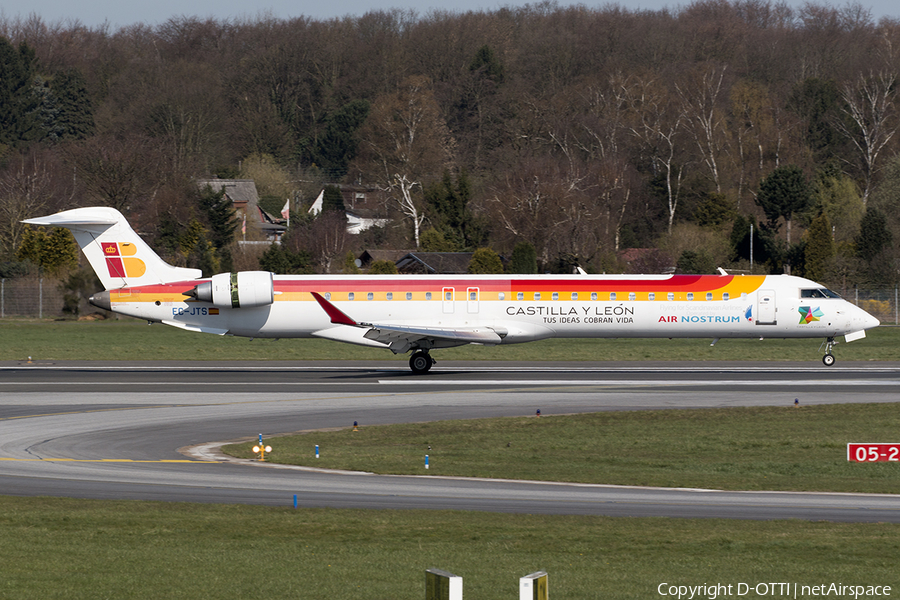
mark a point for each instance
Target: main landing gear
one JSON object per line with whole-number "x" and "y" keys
{"x": 828, "y": 359}
{"x": 421, "y": 362}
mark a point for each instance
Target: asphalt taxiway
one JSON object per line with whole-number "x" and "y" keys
{"x": 141, "y": 430}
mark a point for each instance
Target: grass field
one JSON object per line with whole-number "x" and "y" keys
{"x": 135, "y": 340}
{"x": 764, "y": 448}
{"x": 74, "y": 549}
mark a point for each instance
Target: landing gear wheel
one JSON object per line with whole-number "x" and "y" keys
{"x": 828, "y": 359}
{"x": 420, "y": 362}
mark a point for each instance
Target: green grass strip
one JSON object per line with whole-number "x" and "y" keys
{"x": 759, "y": 448}
{"x": 74, "y": 549}
{"x": 135, "y": 340}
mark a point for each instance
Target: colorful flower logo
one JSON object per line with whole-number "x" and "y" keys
{"x": 808, "y": 315}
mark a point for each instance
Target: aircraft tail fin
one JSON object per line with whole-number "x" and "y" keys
{"x": 117, "y": 254}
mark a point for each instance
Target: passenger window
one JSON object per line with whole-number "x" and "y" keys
{"x": 612, "y": 297}
{"x": 370, "y": 296}
{"x": 651, "y": 296}
{"x": 537, "y": 295}
{"x": 390, "y": 295}
{"x": 594, "y": 296}
{"x": 574, "y": 295}
{"x": 709, "y": 296}
{"x": 690, "y": 296}
{"x": 328, "y": 295}
{"x": 409, "y": 295}
{"x": 448, "y": 295}
{"x": 632, "y": 296}
{"x": 556, "y": 295}
{"x": 350, "y": 296}
{"x": 670, "y": 296}
{"x": 473, "y": 296}
{"x": 501, "y": 296}
{"x": 428, "y": 295}
{"x": 725, "y": 296}
{"x": 520, "y": 295}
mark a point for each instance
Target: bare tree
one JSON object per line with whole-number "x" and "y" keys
{"x": 602, "y": 130}
{"x": 870, "y": 106}
{"x": 704, "y": 118}
{"x": 28, "y": 188}
{"x": 114, "y": 171}
{"x": 324, "y": 237}
{"x": 657, "y": 121}
{"x": 405, "y": 142}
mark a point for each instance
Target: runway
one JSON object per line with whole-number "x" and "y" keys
{"x": 115, "y": 430}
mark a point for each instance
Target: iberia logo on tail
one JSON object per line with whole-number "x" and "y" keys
{"x": 120, "y": 260}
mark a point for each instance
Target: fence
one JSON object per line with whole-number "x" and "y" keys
{"x": 42, "y": 297}
{"x": 31, "y": 297}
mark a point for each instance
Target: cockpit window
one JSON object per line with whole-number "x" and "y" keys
{"x": 818, "y": 293}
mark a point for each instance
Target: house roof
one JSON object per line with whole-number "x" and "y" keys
{"x": 370, "y": 256}
{"x": 240, "y": 191}
{"x": 435, "y": 262}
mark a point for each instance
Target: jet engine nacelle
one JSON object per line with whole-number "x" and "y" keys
{"x": 245, "y": 289}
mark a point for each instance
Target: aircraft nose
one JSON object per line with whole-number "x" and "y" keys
{"x": 871, "y": 321}
{"x": 867, "y": 320}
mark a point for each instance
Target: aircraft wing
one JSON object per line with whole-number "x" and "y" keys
{"x": 388, "y": 334}
{"x": 401, "y": 337}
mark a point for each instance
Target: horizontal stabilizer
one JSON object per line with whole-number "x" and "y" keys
{"x": 64, "y": 219}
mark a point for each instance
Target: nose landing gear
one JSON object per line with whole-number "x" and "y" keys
{"x": 828, "y": 359}
{"x": 421, "y": 362}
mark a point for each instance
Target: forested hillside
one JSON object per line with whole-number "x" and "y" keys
{"x": 579, "y": 131}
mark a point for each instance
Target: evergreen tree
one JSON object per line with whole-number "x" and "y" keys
{"x": 332, "y": 199}
{"x": 784, "y": 193}
{"x": 337, "y": 146}
{"x": 740, "y": 240}
{"x": 383, "y": 267}
{"x": 487, "y": 65}
{"x": 433, "y": 240}
{"x": 485, "y": 261}
{"x": 524, "y": 259}
{"x": 75, "y": 116}
{"x": 714, "y": 210}
{"x": 18, "y": 104}
{"x": 448, "y": 210}
{"x": 282, "y": 261}
{"x": 54, "y": 252}
{"x": 873, "y": 236}
{"x": 819, "y": 248}
{"x": 695, "y": 262}
{"x": 219, "y": 213}
{"x": 817, "y": 102}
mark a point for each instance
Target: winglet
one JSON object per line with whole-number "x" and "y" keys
{"x": 337, "y": 316}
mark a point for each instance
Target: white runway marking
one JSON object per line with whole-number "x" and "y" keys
{"x": 643, "y": 382}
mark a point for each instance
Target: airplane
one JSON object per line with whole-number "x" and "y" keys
{"x": 421, "y": 313}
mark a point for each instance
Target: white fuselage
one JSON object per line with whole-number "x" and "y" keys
{"x": 518, "y": 308}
